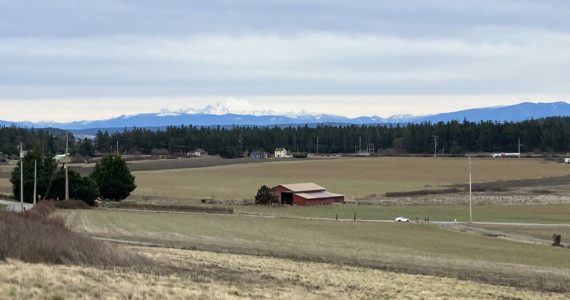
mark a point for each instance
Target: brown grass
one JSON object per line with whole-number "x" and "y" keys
{"x": 34, "y": 236}
{"x": 249, "y": 277}
{"x": 71, "y": 204}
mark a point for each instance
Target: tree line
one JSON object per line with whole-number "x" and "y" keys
{"x": 539, "y": 136}
{"x": 542, "y": 135}
{"x": 47, "y": 142}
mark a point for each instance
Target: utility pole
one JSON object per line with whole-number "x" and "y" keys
{"x": 435, "y": 147}
{"x": 359, "y": 144}
{"x": 35, "y": 180}
{"x": 470, "y": 199}
{"x": 317, "y": 144}
{"x": 118, "y": 148}
{"x": 519, "y": 147}
{"x": 21, "y": 177}
{"x": 66, "y": 167}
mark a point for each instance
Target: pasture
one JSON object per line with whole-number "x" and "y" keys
{"x": 409, "y": 248}
{"x": 523, "y": 213}
{"x": 354, "y": 177}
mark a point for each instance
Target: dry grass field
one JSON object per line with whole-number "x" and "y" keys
{"x": 5, "y": 185}
{"x": 355, "y": 177}
{"x": 409, "y": 248}
{"x": 207, "y": 275}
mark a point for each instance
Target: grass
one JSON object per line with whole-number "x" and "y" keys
{"x": 541, "y": 232}
{"x": 337, "y": 237}
{"x": 255, "y": 277}
{"x": 415, "y": 248}
{"x": 5, "y": 186}
{"x": 527, "y": 213}
{"x": 354, "y": 177}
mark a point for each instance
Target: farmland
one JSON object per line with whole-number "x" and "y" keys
{"x": 354, "y": 177}
{"x": 268, "y": 252}
{"x": 410, "y": 248}
{"x": 525, "y": 213}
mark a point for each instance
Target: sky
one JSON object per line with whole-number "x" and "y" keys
{"x": 64, "y": 60}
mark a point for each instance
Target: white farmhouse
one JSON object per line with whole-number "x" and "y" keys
{"x": 281, "y": 153}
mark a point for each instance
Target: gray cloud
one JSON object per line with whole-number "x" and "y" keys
{"x": 114, "y": 48}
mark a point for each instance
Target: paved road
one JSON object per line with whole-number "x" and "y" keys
{"x": 15, "y": 205}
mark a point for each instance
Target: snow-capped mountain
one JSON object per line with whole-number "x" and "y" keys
{"x": 218, "y": 114}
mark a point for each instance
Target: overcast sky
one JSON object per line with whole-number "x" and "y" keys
{"x": 67, "y": 60}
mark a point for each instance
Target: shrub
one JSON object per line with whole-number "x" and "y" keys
{"x": 71, "y": 204}
{"x": 113, "y": 178}
{"x": 300, "y": 154}
{"x": 456, "y": 150}
{"x": 421, "y": 193}
{"x": 80, "y": 188}
{"x": 169, "y": 207}
{"x": 264, "y": 196}
{"x": 230, "y": 152}
{"x": 36, "y": 237}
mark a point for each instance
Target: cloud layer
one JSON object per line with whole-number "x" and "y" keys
{"x": 70, "y": 49}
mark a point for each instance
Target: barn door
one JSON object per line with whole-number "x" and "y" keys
{"x": 287, "y": 198}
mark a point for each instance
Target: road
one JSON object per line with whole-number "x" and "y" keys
{"x": 15, "y": 205}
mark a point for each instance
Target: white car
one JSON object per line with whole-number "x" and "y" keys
{"x": 402, "y": 219}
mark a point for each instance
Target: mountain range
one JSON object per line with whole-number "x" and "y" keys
{"x": 214, "y": 115}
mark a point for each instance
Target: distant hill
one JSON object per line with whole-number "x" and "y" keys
{"x": 512, "y": 113}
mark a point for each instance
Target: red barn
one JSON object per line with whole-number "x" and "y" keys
{"x": 305, "y": 194}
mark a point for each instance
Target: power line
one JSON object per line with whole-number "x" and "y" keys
{"x": 435, "y": 146}
{"x": 66, "y": 167}
{"x": 21, "y": 177}
{"x": 470, "y": 190}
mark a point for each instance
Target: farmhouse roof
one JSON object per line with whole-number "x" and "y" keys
{"x": 303, "y": 187}
{"x": 317, "y": 195}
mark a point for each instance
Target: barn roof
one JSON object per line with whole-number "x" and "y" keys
{"x": 303, "y": 187}
{"x": 317, "y": 195}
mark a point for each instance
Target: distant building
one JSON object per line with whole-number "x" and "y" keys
{"x": 305, "y": 194}
{"x": 502, "y": 155}
{"x": 567, "y": 160}
{"x": 281, "y": 153}
{"x": 61, "y": 158}
{"x": 258, "y": 155}
{"x": 197, "y": 153}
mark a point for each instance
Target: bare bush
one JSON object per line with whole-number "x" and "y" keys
{"x": 170, "y": 207}
{"x": 422, "y": 193}
{"x": 36, "y": 237}
{"x": 71, "y": 204}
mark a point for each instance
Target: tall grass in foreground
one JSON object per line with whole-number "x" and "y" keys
{"x": 37, "y": 237}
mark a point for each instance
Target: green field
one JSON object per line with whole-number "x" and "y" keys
{"x": 409, "y": 247}
{"x": 369, "y": 240}
{"x": 354, "y": 177}
{"x": 539, "y": 213}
